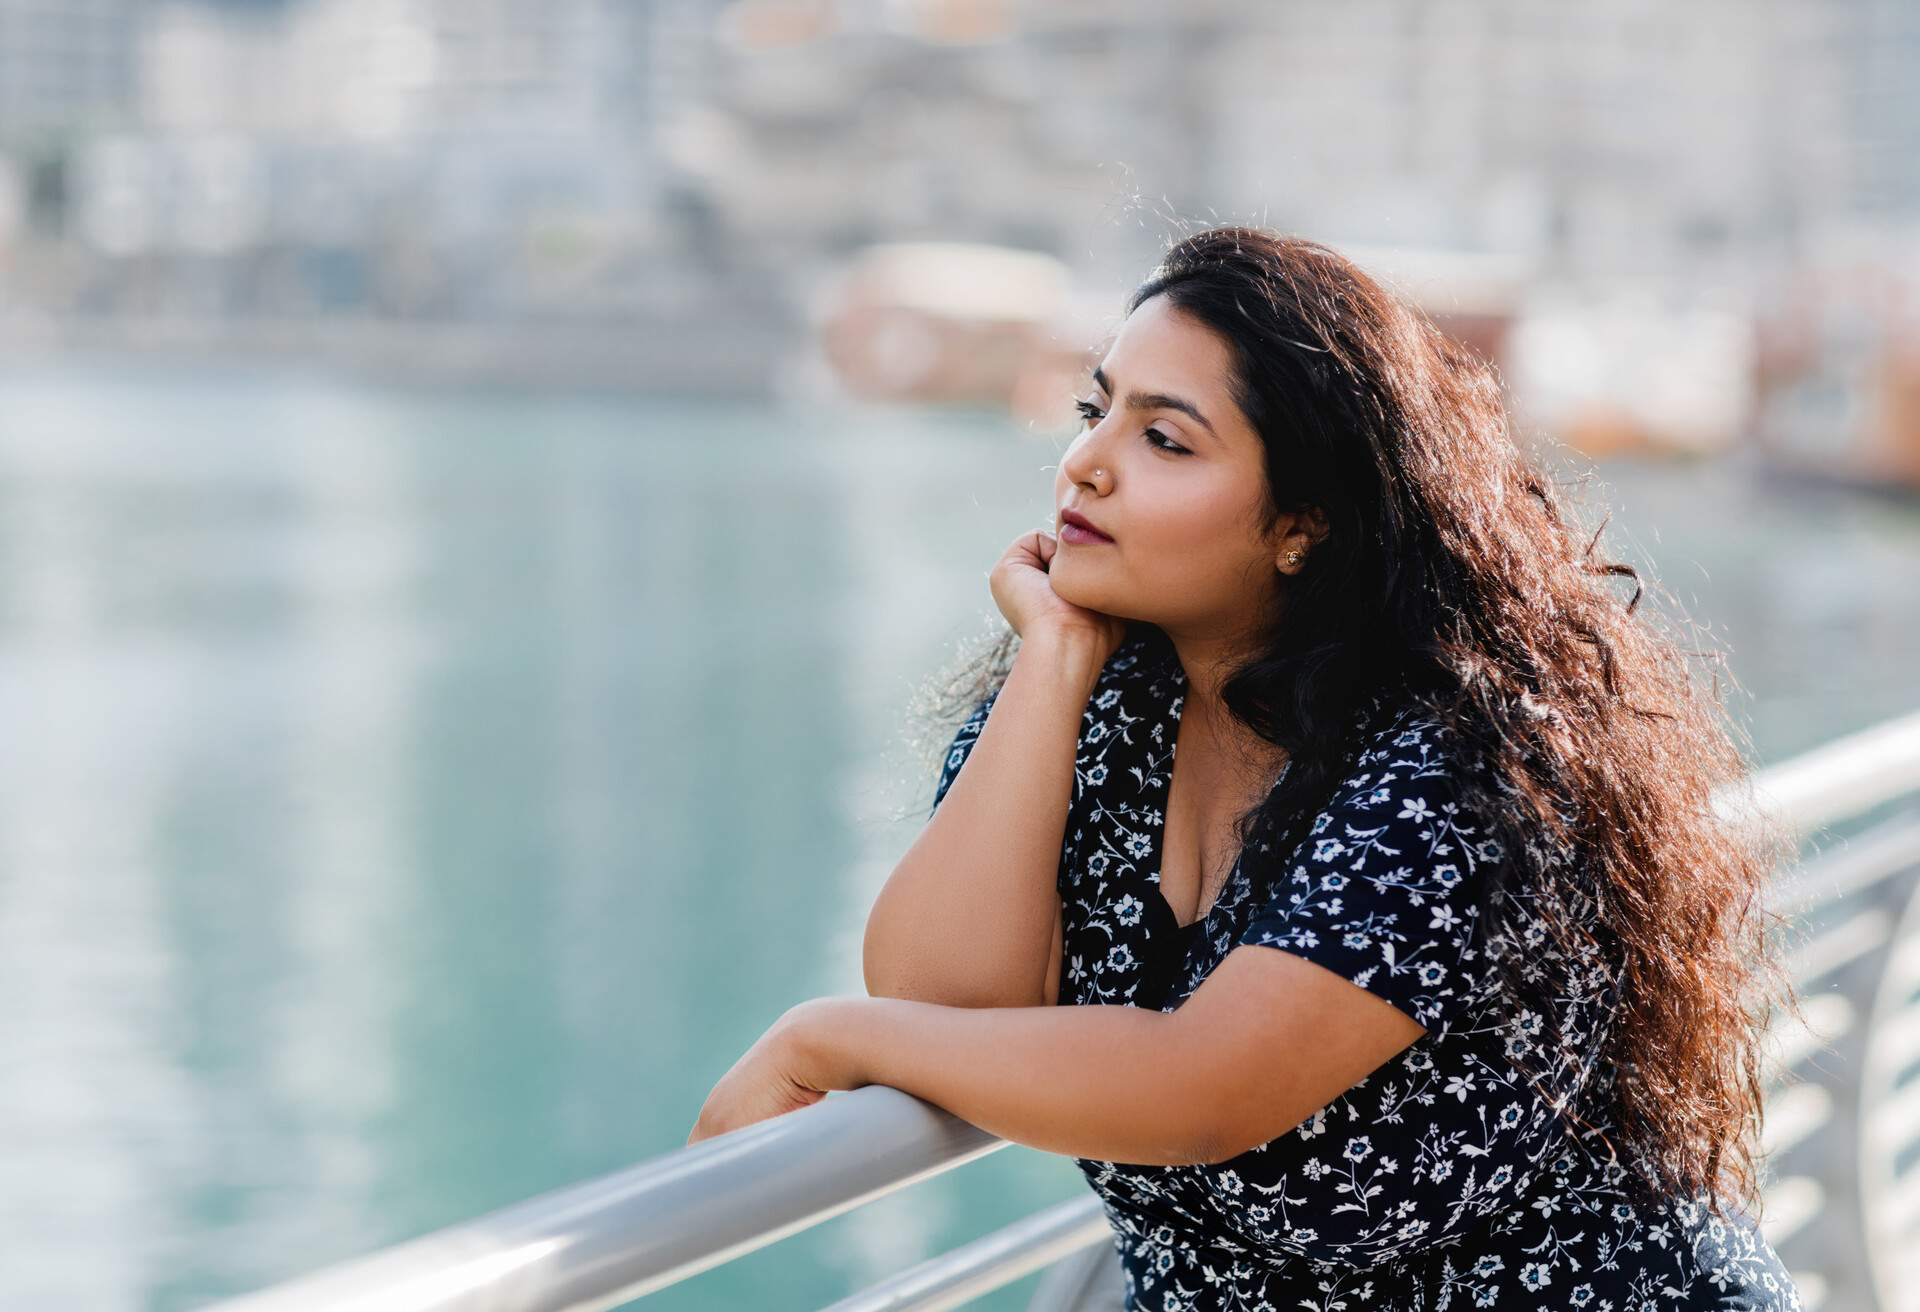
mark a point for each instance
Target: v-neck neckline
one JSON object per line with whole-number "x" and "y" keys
{"x": 1176, "y": 709}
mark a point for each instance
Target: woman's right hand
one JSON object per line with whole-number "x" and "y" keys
{"x": 1023, "y": 590}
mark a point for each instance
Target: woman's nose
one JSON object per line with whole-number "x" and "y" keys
{"x": 1085, "y": 456}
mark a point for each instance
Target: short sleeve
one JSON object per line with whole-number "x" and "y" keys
{"x": 961, "y": 747}
{"x": 1383, "y": 889}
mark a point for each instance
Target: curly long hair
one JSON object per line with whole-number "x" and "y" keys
{"x": 1454, "y": 568}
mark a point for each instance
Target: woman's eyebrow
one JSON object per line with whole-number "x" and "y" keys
{"x": 1155, "y": 401}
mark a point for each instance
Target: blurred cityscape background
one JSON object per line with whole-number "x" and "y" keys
{"x": 1685, "y": 225}
{"x": 481, "y": 482}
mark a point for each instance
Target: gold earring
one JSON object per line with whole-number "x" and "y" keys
{"x": 1293, "y": 558}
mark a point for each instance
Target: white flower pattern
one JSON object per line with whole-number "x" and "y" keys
{"x": 1445, "y": 1178}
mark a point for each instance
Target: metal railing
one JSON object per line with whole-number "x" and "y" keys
{"x": 608, "y": 1241}
{"x": 1889, "y": 1142}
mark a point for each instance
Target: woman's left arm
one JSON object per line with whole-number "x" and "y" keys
{"x": 1264, "y": 1042}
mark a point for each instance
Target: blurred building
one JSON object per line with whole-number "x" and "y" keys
{"x": 645, "y": 189}
{"x": 1591, "y": 196}
{"x": 66, "y": 66}
{"x": 1838, "y": 378}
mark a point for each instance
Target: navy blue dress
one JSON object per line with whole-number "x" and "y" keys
{"x": 1444, "y": 1179}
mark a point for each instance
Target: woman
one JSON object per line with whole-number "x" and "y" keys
{"x": 1430, "y": 978}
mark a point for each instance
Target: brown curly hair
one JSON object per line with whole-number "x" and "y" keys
{"x": 1456, "y": 568}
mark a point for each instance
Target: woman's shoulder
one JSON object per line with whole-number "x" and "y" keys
{"x": 1404, "y": 743}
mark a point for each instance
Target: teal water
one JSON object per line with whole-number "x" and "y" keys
{"x": 413, "y": 800}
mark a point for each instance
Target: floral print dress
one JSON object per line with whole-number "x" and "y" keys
{"x": 1444, "y": 1179}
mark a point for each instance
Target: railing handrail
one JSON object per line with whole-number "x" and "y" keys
{"x": 609, "y": 1240}
{"x": 598, "y": 1244}
{"x": 1843, "y": 777}
{"x": 964, "y": 1274}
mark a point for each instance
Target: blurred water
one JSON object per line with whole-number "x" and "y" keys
{"x": 414, "y": 800}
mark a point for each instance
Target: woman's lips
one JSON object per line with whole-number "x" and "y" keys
{"x": 1072, "y": 532}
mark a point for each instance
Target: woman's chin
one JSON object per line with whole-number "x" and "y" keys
{"x": 1100, "y": 599}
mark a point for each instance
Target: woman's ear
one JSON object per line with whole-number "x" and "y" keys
{"x": 1316, "y": 524}
{"x": 1303, "y": 533}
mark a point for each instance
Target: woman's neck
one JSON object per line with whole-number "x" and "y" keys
{"x": 1207, "y": 663}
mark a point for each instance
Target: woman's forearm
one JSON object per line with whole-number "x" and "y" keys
{"x": 1107, "y": 1083}
{"x": 967, "y": 916}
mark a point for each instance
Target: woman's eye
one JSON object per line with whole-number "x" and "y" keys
{"x": 1091, "y": 413}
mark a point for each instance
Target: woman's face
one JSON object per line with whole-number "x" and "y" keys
{"x": 1180, "y": 486}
